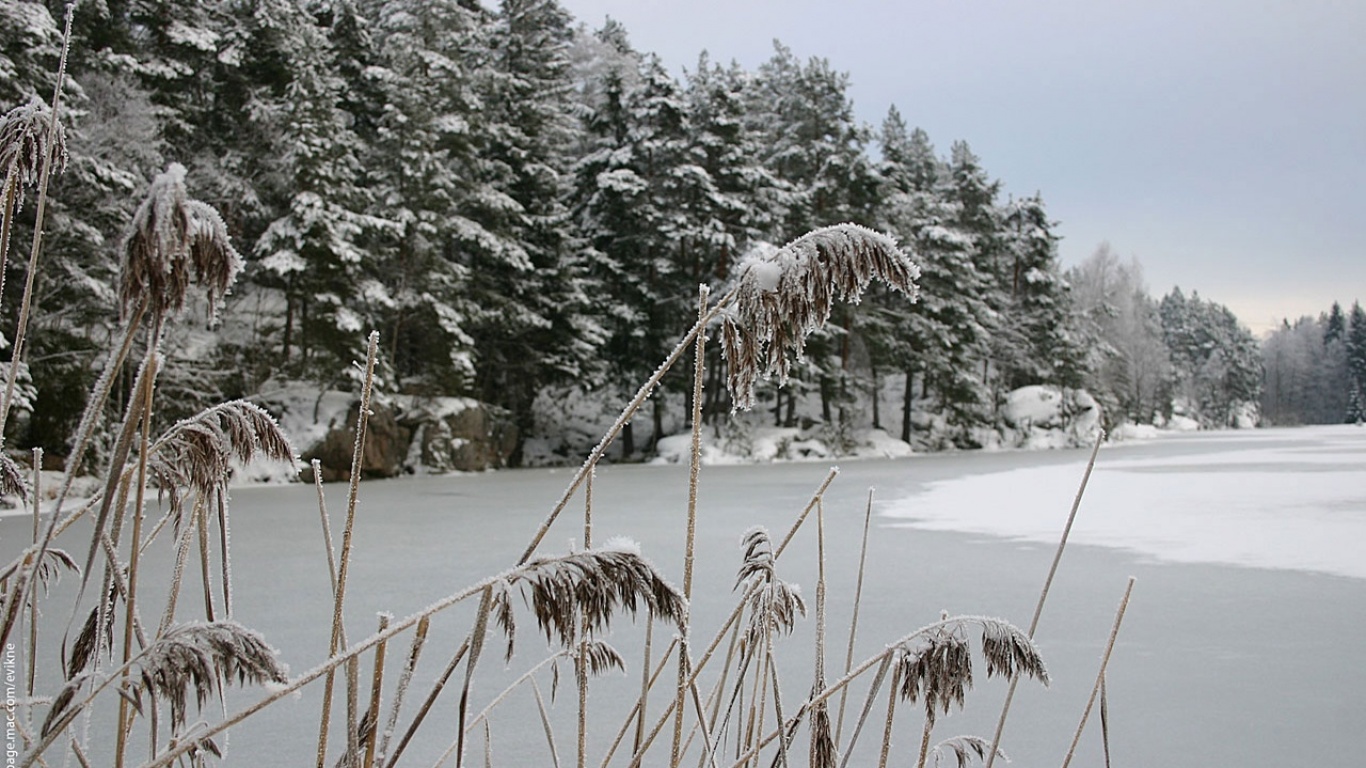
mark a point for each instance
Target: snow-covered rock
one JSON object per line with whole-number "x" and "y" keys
{"x": 403, "y": 434}
{"x": 1048, "y": 417}
{"x": 455, "y": 433}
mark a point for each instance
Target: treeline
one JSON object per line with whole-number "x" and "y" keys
{"x": 519, "y": 204}
{"x": 1316, "y": 369}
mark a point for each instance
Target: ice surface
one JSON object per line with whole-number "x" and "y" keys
{"x": 1297, "y": 503}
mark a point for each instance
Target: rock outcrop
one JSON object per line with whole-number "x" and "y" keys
{"x": 404, "y": 434}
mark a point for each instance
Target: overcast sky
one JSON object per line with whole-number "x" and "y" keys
{"x": 1221, "y": 142}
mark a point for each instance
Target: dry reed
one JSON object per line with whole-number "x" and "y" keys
{"x": 1100, "y": 676}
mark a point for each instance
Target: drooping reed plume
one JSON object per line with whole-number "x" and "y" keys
{"x": 24, "y": 133}
{"x": 191, "y": 660}
{"x": 173, "y": 240}
{"x": 964, "y": 750}
{"x": 936, "y": 666}
{"x": 780, "y": 298}
{"x": 586, "y": 589}
{"x": 198, "y": 453}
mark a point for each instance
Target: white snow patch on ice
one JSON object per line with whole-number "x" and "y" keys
{"x": 1298, "y": 506}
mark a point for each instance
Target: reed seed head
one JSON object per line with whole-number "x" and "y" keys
{"x": 782, "y": 297}
{"x": 171, "y": 240}
{"x": 24, "y": 143}
{"x": 198, "y": 452}
{"x": 774, "y": 604}
{"x": 582, "y": 591}
{"x": 937, "y": 665}
{"x": 12, "y": 481}
{"x": 85, "y": 647}
{"x": 939, "y": 669}
{"x": 965, "y": 749}
{"x": 194, "y": 658}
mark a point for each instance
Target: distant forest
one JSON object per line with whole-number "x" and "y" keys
{"x": 520, "y": 205}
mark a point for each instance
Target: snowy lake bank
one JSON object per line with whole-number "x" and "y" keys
{"x": 1218, "y": 662}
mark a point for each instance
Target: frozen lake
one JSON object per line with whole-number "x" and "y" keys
{"x": 1242, "y": 645}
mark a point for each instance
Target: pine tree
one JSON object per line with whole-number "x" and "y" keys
{"x": 425, "y": 144}
{"x": 533, "y": 326}
{"x": 1334, "y": 324}
{"x": 315, "y": 249}
{"x": 30, "y": 42}
{"x": 1356, "y": 363}
{"x": 939, "y": 340}
{"x": 629, "y": 198}
{"x": 1040, "y": 305}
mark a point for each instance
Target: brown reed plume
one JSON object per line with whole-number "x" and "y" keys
{"x": 774, "y": 604}
{"x": 584, "y": 590}
{"x": 937, "y": 665}
{"x": 24, "y": 147}
{"x": 12, "y": 481}
{"x": 197, "y": 453}
{"x": 780, "y": 298}
{"x": 190, "y": 659}
{"x": 171, "y": 240}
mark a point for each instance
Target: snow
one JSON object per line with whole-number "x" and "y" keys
{"x": 762, "y": 445}
{"x": 1131, "y": 431}
{"x": 1043, "y": 417}
{"x": 305, "y": 414}
{"x": 194, "y": 37}
{"x": 1290, "y": 499}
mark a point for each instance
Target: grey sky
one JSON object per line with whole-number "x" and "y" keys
{"x": 1222, "y": 142}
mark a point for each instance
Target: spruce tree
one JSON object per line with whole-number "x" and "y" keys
{"x": 1356, "y": 363}
{"x": 938, "y": 341}
{"x": 425, "y": 144}
{"x": 1040, "y": 305}
{"x": 315, "y": 249}
{"x": 531, "y": 324}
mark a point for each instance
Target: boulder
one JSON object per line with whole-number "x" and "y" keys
{"x": 456, "y": 434}
{"x": 386, "y": 445}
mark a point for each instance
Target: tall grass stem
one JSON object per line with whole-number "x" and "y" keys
{"x": 853, "y": 621}
{"x": 344, "y": 561}
{"x": 1043, "y": 596}
{"x": 26, "y": 303}
{"x": 1100, "y": 676}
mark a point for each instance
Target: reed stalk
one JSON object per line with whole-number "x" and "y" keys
{"x": 694, "y": 469}
{"x": 404, "y": 680}
{"x": 891, "y": 716}
{"x": 344, "y": 561}
{"x": 869, "y": 700}
{"x": 545, "y": 723}
{"x": 701, "y": 663}
{"x": 130, "y": 602}
{"x": 49, "y": 152}
{"x": 1100, "y": 676}
{"x": 853, "y": 621}
{"x": 427, "y": 703}
{"x": 1043, "y": 596}
{"x": 376, "y": 684}
{"x": 33, "y": 596}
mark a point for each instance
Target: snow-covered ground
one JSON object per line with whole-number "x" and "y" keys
{"x": 1265, "y": 498}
